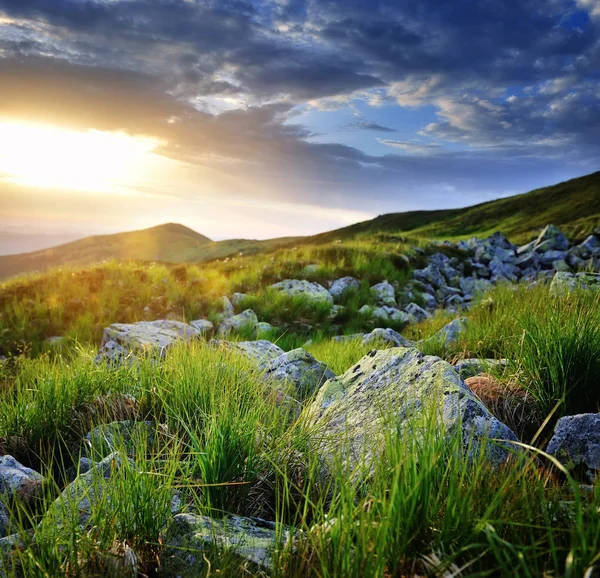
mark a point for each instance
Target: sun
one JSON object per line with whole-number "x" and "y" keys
{"x": 56, "y": 158}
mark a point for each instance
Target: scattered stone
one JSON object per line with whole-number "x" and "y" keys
{"x": 204, "y": 326}
{"x": 301, "y": 369}
{"x": 385, "y": 336}
{"x": 386, "y": 314}
{"x": 311, "y": 268}
{"x": 247, "y": 320}
{"x": 336, "y": 311}
{"x": 560, "y": 265}
{"x": 189, "y": 537}
{"x": 551, "y": 239}
{"x": 18, "y": 481}
{"x": 4, "y": 523}
{"x": 576, "y": 442}
{"x": 237, "y": 299}
{"x": 300, "y": 287}
{"x": 384, "y": 294}
{"x": 418, "y": 313}
{"x": 124, "y": 435}
{"x": 564, "y": 282}
{"x": 450, "y": 332}
{"x": 261, "y": 351}
{"x": 398, "y": 384}
{"x": 547, "y": 258}
{"x": 589, "y": 247}
{"x": 225, "y": 307}
{"x": 264, "y": 327}
{"x": 340, "y": 287}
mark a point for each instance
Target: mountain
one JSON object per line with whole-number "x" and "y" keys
{"x": 170, "y": 242}
{"x": 573, "y": 205}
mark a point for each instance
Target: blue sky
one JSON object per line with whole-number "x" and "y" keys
{"x": 297, "y": 116}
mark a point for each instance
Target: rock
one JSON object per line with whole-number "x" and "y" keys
{"x": 454, "y": 302}
{"x": 560, "y": 265}
{"x": 247, "y": 320}
{"x": 237, "y": 299}
{"x": 589, "y": 247}
{"x": 124, "y": 435}
{"x": 261, "y": 351}
{"x": 384, "y": 294}
{"x": 528, "y": 260}
{"x": 575, "y": 262}
{"x": 471, "y": 286}
{"x": 386, "y": 314}
{"x": 204, "y": 326}
{"x": 188, "y": 537}
{"x": 417, "y": 312}
{"x": 471, "y": 367}
{"x": 547, "y": 258}
{"x": 551, "y": 239}
{"x": 264, "y": 327}
{"x": 300, "y": 287}
{"x": 311, "y": 268}
{"x": 143, "y": 337}
{"x": 450, "y": 332}
{"x": 528, "y": 248}
{"x": 336, "y": 311}
{"x": 18, "y": 481}
{"x": 225, "y": 307}
{"x": 55, "y": 340}
{"x": 405, "y": 383}
{"x": 503, "y": 271}
{"x": 114, "y": 354}
{"x": 576, "y": 442}
{"x": 340, "y": 287}
{"x": 564, "y": 282}
{"x": 301, "y": 369}
{"x": 430, "y": 300}
{"x": 430, "y": 275}
{"x": 4, "y": 524}
{"x": 385, "y": 336}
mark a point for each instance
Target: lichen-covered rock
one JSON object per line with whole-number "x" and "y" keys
{"x": 189, "y": 537}
{"x": 261, "y": 351}
{"x": 246, "y": 320}
{"x": 301, "y": 369}
{"x": 143, "y": 337}
{"x": 384, "y": 294}
{"x": 204, "y": 326}
{"x": 17, "y": 480}
{"x": 471, "y": 367}
{"x": 386, "y": 314}
{"x": 417, "y": 313}
{"x": 576, "y": 442}
{"x": 300, "y": 287}
{"x": 564, "y": 282}
{"x": 341, "y": 286}
{"x": 385, "y": 336}
{"x": 551, "y": 239}
{"x": 384, "y": 391}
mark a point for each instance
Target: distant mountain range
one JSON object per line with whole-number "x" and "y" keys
{"x": 574, "y": 206}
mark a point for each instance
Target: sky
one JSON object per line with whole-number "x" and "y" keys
{"x": 257, "y": 118}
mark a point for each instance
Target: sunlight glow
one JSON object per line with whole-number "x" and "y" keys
{"x": 92, "y": 161}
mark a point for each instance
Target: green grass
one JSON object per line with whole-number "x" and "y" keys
{"x": 426, "y": 509}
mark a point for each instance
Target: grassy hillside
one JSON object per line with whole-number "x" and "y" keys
{"x": 574, "y": 206}
{"x": 170, "y": 243}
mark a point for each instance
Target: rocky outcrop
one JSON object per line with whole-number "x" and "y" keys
{"x": 121, "y": 340}
{"x": 302, "y": 288}
{"x": 340, "y": 287}
{"x": 188, "y": 538}
{"x": 384, "y": 392}
{"x": 576, "y": 442}
{"x": 301, "y": 369}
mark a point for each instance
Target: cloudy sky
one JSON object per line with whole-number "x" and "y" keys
{"x": 257, "y": 118}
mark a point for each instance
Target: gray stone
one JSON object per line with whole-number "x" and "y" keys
{"x": 301, "y": 369}
{"x": 386, "y": 314}
{"x": 143, "y": 337}
{"x": 384, "y": 294}
{"x": 383, "y": 391}
{"x": 503, "y": 271}
{"x": 189, "y": 537}
{"x": 311, "y": 268}
{"x": 224, "y": 307}
{"x": 560, "y": 265}
{"x": 300, "y": 287}
{"x": 4, "y": 523}
{"x": 417, "y": 312}
{"x": 261, "y": 351}
{"x": 237, "y": 299}
{"x": 17, "y": 480}
{"x": 245, "y": 320}
{"x": 204, "y": 326}
{"x": 528, "y": 260}
{"x": 264, "y": 327}
{"x": 528, "y": 248}
{"x": 471, "y": 367}
{"x": 591, "y": 246}
{"x": 564, "y": 282}
{"x": 385, "y": 336}
{"x": 430, "y": 300}
{"x": 113, "y": 353}
{"x": 430, "y": 275}
{"x": 576, "y": 442}
{"x": 125, "y": 435}
{"x": 340, "y": 287}
{"x": 547, "y": 258}
{"x": 551, "y": 239}
{"x": 450, "y": 332}
{"x": 336, "y": 311}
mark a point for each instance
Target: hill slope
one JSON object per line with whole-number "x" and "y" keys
{"x": 170, "y": 242}
{"x": 573, "y": 205}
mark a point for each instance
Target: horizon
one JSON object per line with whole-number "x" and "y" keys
{"x": 256, "y": 119}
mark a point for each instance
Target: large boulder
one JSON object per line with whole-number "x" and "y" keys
{"x": 261, "y": 351}
{"x": 384, "y": 391}
{"x": 122, "y": 339}
{"x": 341, "y": 286}
{"x": 564, "y": 282}
{"x": 188, "y": 538}
{"x": 244, "y": 320}
{"x": 301, "y": 369}
{"x": 551, "y": 239}
{"x": 18, "y": 481}
{"x": 576, "y": 442}
{"x": 384, "y": 294}
{"x": 303, "y": 288}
